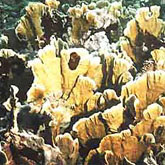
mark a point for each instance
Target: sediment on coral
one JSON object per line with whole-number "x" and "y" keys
{"x": 83, "y": 82}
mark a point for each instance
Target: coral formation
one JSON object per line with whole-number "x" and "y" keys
{"x": 152, "y": 86}
{"x": 141, "y": 31}
{"x": 71, "y": 152}
{"x": 29, "y": 28}
{"x": 83, "y": 82}
{"x": 99, "y": 124}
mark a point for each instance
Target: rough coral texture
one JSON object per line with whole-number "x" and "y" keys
{"x": 29, "y": 27}
{"x": 152, "y": 86}
{"x": 158, "y": 57}
{"x": 141, "y": 31}
{"x": 99, "y": 124}
{"x": 85, "y": 17}
{"x": 41, "y": 70}
{"x": 68, "y": 147}
{"x": 84, "y": 85}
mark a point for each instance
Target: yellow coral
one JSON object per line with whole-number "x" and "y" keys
{"x": 131, "y": 30}
{"x": 152, "y": 85}
{"x": 160, "y": 121}
{"x": 95, "y": 70}
{"x": 24, "y": 30}
{"x": 35, "y": 11}
{"x": 149, "y": 22}
{"x": 75, "y": 12}
{"x": 110, "y": 94}
{"x": 52, "y": 3}
{"x": 91, "y": 17}
{"x": 93, "y": 127}
{"x": 49, "y": 78}
{"x": 68, "y": 147}
{"x": 115, "y": 9}
{"x": 61, "y": 118}
{"x": 99, "y": 101}
{"x": 117, "y": 146}
{"x": 82, "y": 91}
{"x": 126, "y": 47}
{"x": 158, "y": 54}
{"x": 92, "y": 103}
{"x": 152, "y": 112}
{"x": 86, "y": 129}
{"x": 83, "y": 19}
{"x": 159, "y": 57}
{"x": 120, "y": 67}
{"x": 29, "y": 27}
{"x": 69, "y": 76}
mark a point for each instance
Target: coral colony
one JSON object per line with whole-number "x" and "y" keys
{"x": 83, "y": 83}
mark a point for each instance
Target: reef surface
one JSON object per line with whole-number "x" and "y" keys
{"x": 82, "y": 82}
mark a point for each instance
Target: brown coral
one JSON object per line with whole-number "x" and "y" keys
{"x": 23, "y": 143}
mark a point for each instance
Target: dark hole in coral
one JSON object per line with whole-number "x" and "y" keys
{"x": 74, "y": 60}
{"x": 33, "y": 155}
{"x": 96, "y": 159}
{"x": 4, "y": 88}
{"x": 17, "y": 65}
{"x": 31, "y": 121}
{"x": 20, "y": 36}
{"x": 13, "y": 42}
{"x": 26, "y": 155}
{"x": 93, "y": 143}
{"x": 4, "y": 66}
{"x": 54, "y": 24}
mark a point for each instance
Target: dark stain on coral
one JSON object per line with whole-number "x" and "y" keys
{"x": 74, "y": 60}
